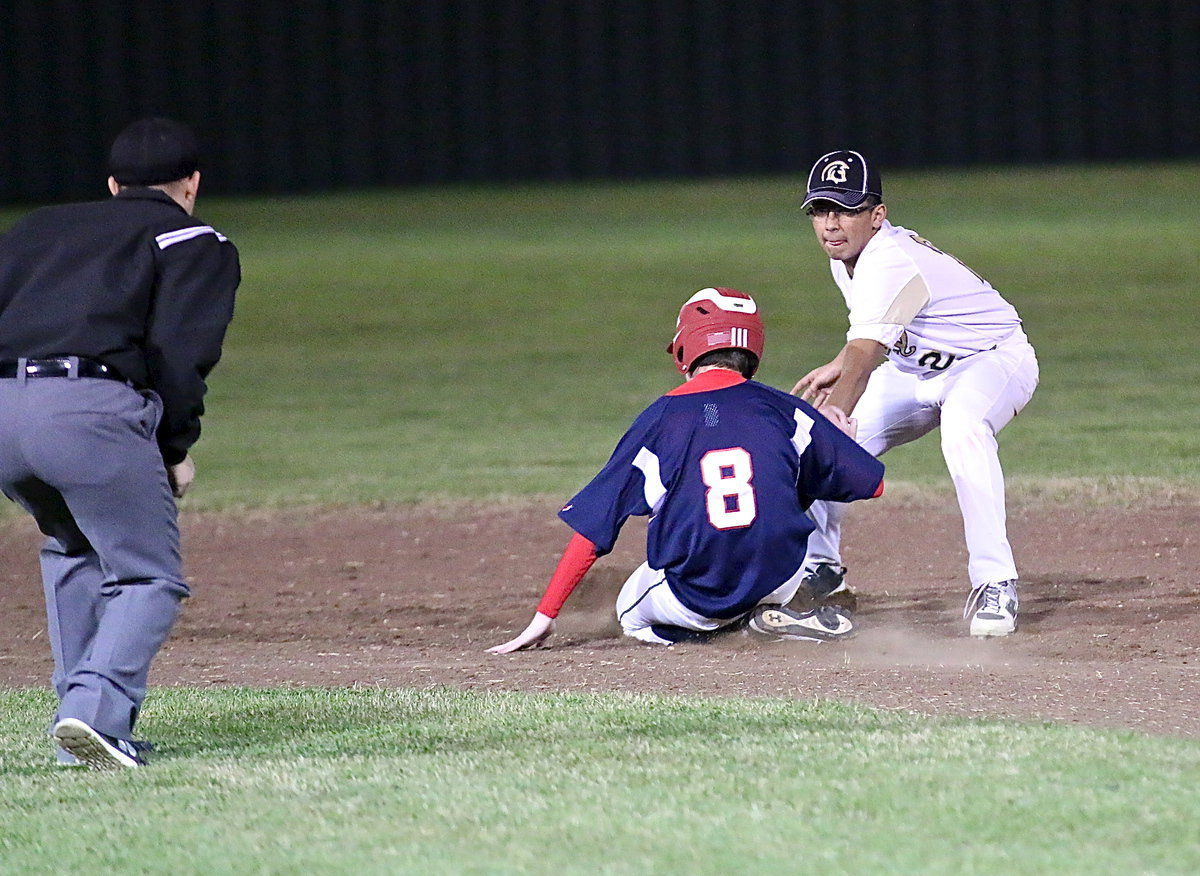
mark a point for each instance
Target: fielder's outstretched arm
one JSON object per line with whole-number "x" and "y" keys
{"x": 578, "y": 557}
{"x": 841, "y": 383}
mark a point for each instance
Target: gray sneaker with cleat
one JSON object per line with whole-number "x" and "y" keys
{"x": 95, "y": 749}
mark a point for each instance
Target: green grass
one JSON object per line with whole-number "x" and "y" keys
{"x": 441, "y": 781}
{"x": 496, "y": 341}
{"x": 483, "y": 343}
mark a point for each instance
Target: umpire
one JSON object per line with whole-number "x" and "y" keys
{"x": 112, "y": 314}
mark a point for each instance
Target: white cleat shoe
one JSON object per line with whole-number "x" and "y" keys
{"x": 824, "y": 624}
{"x": 992, "y": 609}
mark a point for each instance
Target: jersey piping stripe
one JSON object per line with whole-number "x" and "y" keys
{"x": 639, "y": 600}
{"x": 803, "y": 436}
{"x": 170, "y": 238}
{"x": 653, "y": 489}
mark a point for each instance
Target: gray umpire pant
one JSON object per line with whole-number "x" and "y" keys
{"x": 80, "y": 455}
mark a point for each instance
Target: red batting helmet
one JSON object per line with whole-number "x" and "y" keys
{"x": 715, "y": 319}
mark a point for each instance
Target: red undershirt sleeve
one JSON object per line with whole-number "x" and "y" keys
{"x": 578, "y": 557}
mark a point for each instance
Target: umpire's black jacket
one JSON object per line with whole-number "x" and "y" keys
{"x": 133, "y": 282}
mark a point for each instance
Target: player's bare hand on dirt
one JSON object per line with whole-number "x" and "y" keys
{"x": 814, "y": 386}
{"x": 538, "y": 631}
{"x": 838, "y": 417}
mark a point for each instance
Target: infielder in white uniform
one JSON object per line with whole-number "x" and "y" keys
{"x": 953, "y": 355}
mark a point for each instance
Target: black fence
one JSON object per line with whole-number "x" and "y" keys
{"x": 316, "y": 94}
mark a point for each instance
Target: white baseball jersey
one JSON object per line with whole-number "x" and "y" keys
{"x": 926, "y": 307}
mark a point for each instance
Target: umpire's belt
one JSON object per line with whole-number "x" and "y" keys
{"x": 60, "y": 366}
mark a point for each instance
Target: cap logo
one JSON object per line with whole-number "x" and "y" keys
{"x": 836, "y": 172}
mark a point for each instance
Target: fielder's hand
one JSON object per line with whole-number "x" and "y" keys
{"x": 539, "y": 629}
{"x": 181, "y": 476}
{"x": 814, "y": 386}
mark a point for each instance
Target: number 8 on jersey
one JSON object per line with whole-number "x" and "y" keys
{"x": 730, "y": 497}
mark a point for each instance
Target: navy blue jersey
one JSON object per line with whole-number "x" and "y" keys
{"x": 726, "y": 467}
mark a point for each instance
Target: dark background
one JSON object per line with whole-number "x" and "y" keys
{"x": 313, "y": 95}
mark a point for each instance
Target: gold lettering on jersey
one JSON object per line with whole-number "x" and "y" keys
{"x": 902, "y": 347}
{"x": 925, "y": 243}
{"x": 836, "y": 172}
{"x": 921, "y": 240}
{"x": 934, "y": 360}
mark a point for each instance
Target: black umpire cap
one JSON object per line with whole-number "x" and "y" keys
{"x": 844, "y": 177}
{"x": 153, "y": 151}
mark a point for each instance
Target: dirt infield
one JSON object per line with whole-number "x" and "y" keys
{"x": 1110, "y": 615}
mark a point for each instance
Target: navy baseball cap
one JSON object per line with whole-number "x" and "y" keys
{"x": 844, "y": 177}
{"x": 153, "y": 151}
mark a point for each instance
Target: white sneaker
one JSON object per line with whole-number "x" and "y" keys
{"x": 992, "y": 609}
{"x": 95, "y": 749}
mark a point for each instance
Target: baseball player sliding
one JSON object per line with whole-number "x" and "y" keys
{"x": 725, "y": 468}
{"x": 953, "y": 355}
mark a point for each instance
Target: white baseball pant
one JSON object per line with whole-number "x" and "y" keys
{"x": 646, "y": 600}
{"x": 971, "y": 401}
